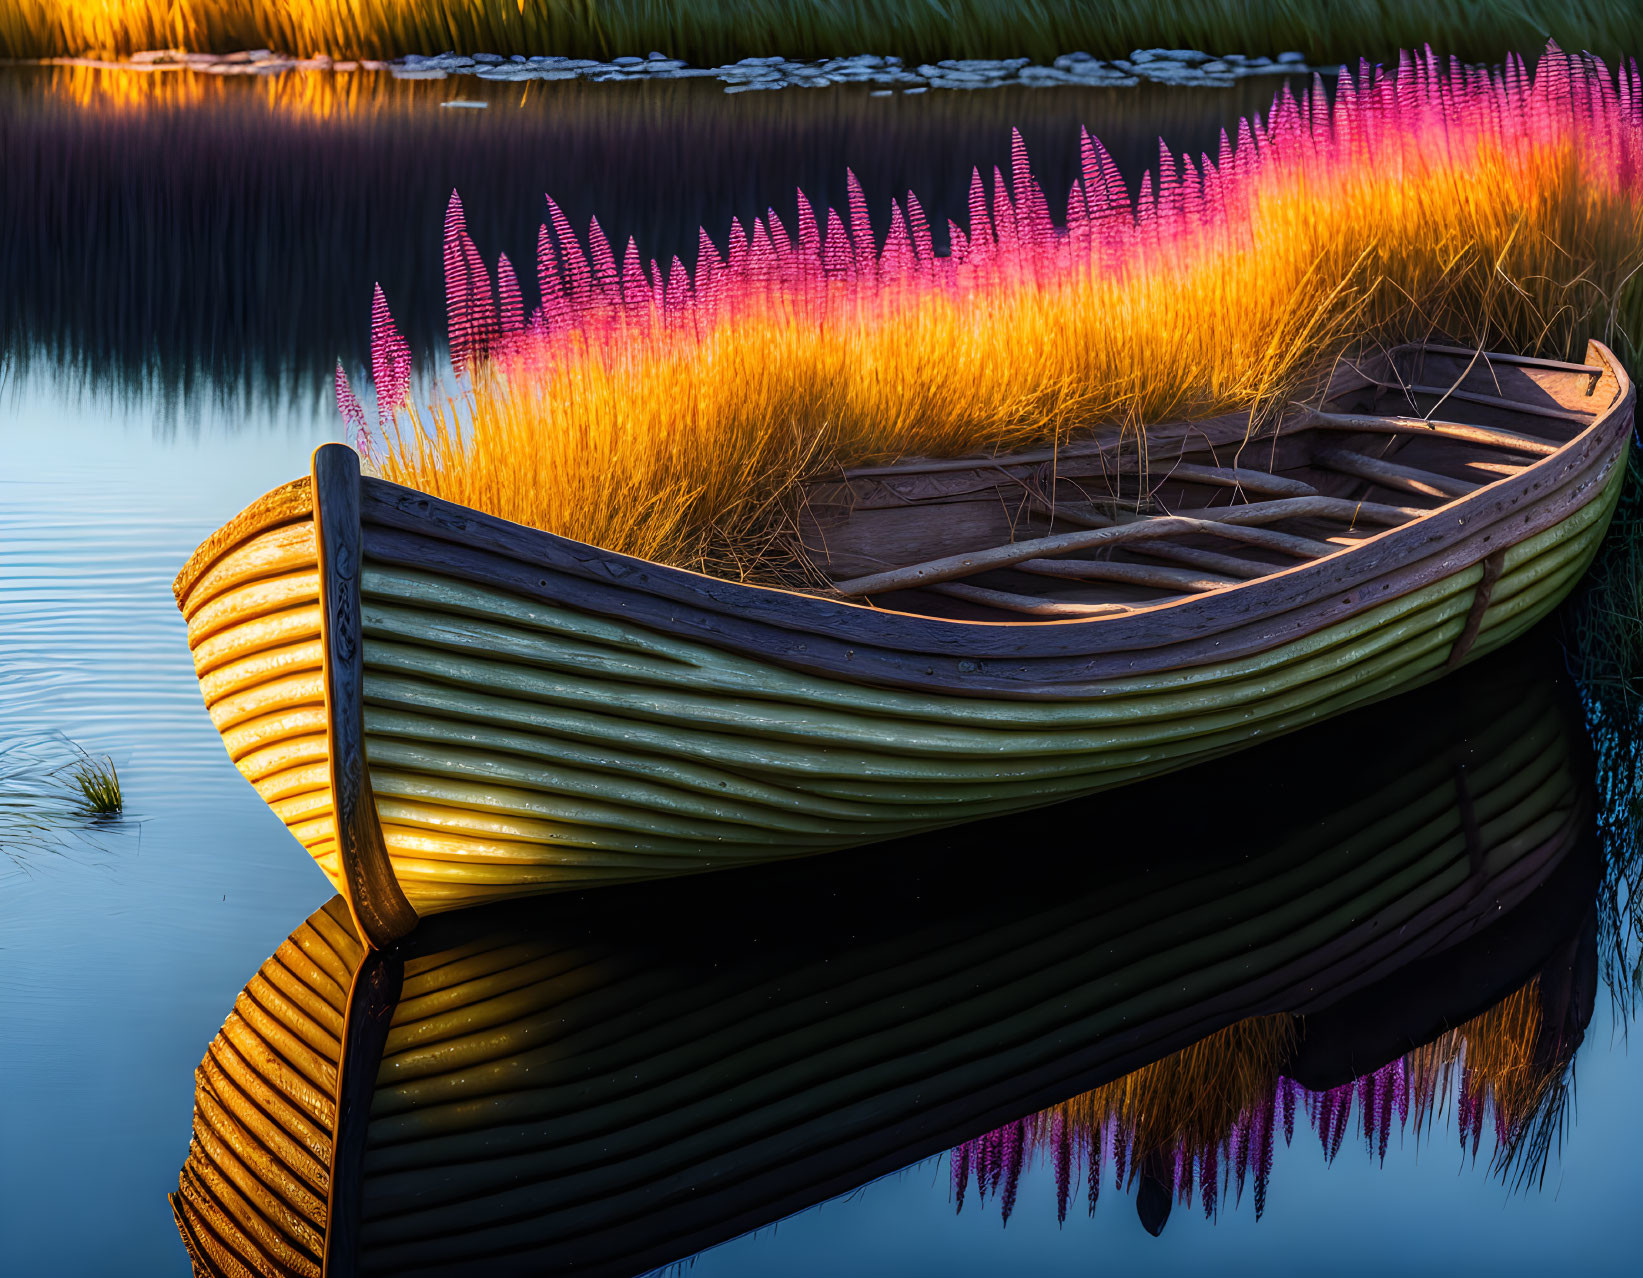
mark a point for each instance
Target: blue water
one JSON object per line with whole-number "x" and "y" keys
{"x": 122, "y": 948}
{"x": 121, "y": 951}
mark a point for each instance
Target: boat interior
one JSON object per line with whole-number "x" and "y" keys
{"x": 1117, "y": 523}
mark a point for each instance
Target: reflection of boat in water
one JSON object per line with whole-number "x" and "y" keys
{"x": 1203, "y": 1121}
{"x": 605, "y": 1082}
{"x": 448, "y": 709}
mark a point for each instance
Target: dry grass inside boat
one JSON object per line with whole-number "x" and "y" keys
{"x": 680, "y": 419}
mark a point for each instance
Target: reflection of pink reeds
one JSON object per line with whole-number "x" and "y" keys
{"x": 677, "y": 413}
{"x": 1210, "y": 1114}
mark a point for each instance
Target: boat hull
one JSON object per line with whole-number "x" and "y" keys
{"x": 540, "y": 715}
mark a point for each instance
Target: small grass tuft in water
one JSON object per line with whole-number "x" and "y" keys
{"x": 98, "y": 785}
{"x": 54, "y": 795}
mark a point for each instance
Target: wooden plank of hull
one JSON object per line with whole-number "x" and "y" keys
{"x": 541, "y": 714}
{"x": 253, "y": 605}
{"x": 531, "y": 1108}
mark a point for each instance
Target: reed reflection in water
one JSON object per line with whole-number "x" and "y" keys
{"x": 190, "y": 234}
{"x": 614, "y": 1080}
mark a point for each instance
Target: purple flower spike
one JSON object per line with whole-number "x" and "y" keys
{"x": 1098, "y": 1157}
{"x": 1062, "y": 1135}
{"x": 1463, "y": 1107}
{"x": 1340, "y": 1120}
{"x": 1240, "y": 1154}
{"x": 1386, "y": 1084}
{"x": 1263, "y": 1166}
{"x": 1014, "y": 1153}
{"x": 1182, "y": 1174}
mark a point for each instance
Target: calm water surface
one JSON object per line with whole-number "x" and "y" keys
{"x": 177, "y": 273}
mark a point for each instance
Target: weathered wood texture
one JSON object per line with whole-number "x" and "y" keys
{"x": 288, "y": 504}
{"x": 1410, "y": 478}
{"x": 925, "y": 509}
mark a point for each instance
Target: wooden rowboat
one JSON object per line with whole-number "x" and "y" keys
{"x": 607, "y": 1082}
{"x": 447, "y": 709}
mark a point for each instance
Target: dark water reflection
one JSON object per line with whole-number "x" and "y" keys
{"x": 606, "y": 1082}
{"x": 192, "y": 234}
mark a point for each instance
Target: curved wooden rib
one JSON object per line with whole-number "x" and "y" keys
{"x": 1513, "y": 441}
{"x": 951, "y": 567}
{"x": 380, "y": 908}
{"x": 1392, "y": 475}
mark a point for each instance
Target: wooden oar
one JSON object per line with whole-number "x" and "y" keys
{"x": 1490, "y": 435}
{"x": 951, "y": 567}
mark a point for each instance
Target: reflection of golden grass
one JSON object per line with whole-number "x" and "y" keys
{"x": 706, "y": 30}
{"x": 1505, "y": 1061}
{"x": 683, "y": 441}
{"x": 1191, "y": 1100}
{"x": 1208, "y": 1114}
{"x": 323, "y": 95}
